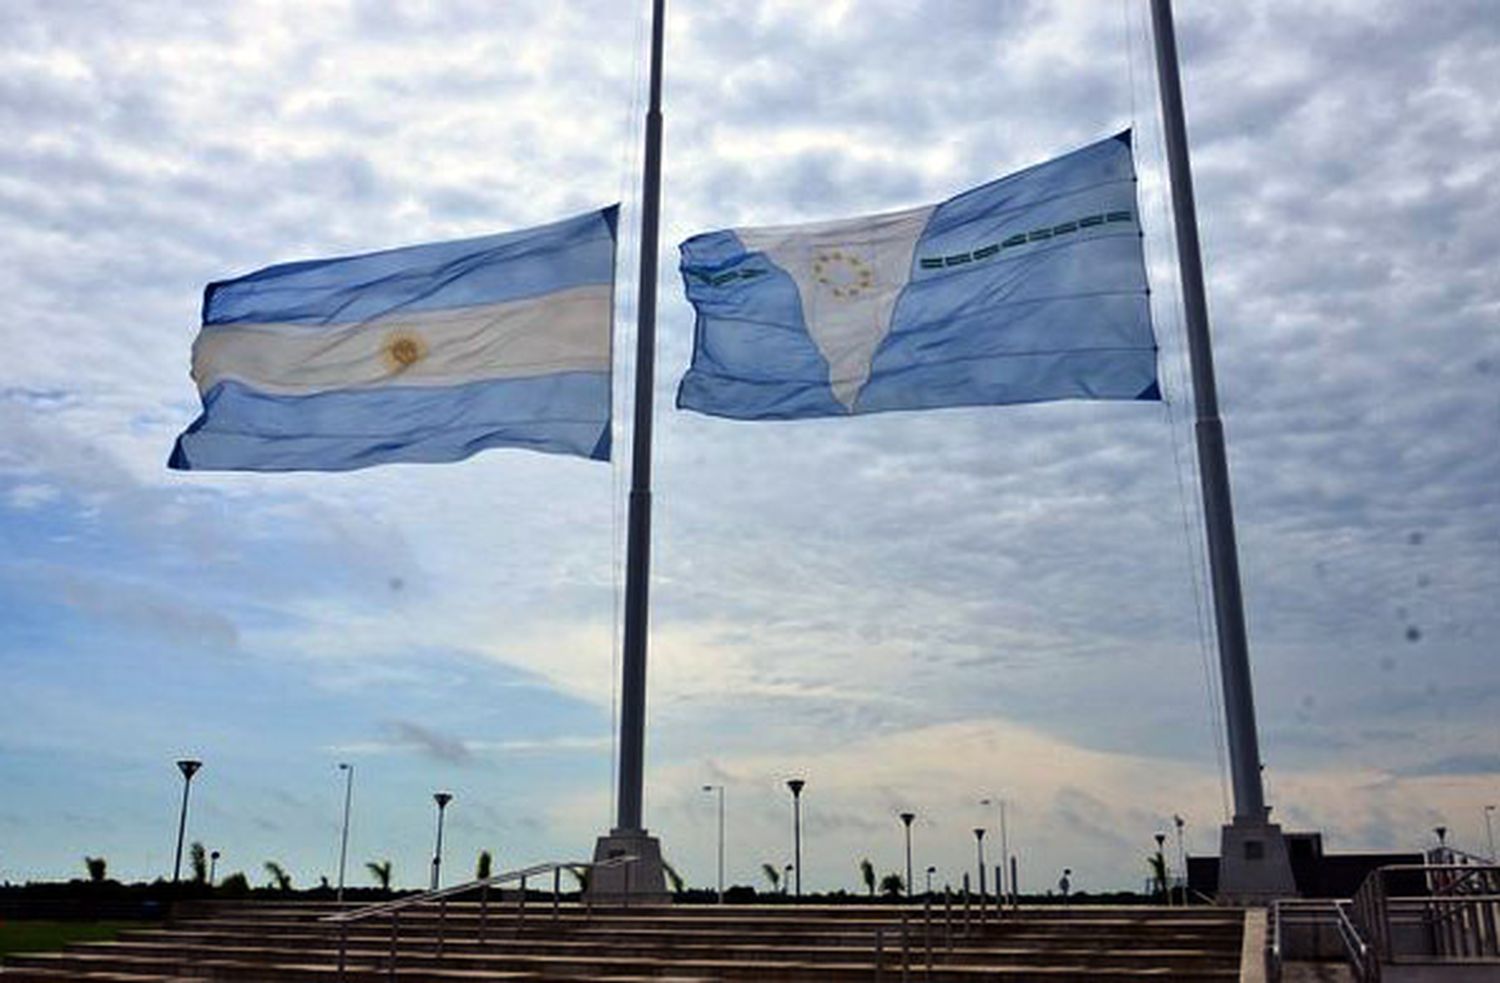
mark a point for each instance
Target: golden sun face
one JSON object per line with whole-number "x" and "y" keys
{"x": 404, "y": 349}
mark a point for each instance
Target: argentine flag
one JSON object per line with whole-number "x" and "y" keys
{"x": 426, "y": 353}
{"x": 1029, "y": 288}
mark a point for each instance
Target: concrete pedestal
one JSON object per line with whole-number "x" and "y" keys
{"x": 642, "y": 882}
{"x": 1254, "y": 866}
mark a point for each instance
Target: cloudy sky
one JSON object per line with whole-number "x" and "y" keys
{"x": 910, "y": 610}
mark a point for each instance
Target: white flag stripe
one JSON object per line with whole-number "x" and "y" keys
{"x": 850, "y": 273}
{"x": 568, "y": 331}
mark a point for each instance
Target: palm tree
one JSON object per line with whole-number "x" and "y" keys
{"x": 772, "y": 874}
{"x": 867, "y": 874}
{"x": 198, "y": 861}
{"x": 672, "y": 876}
{"x": 1158, "y": 864}
{"x": 381, "y": 872}
{"x": 892, "y": 886}
{"x": 482, "y": 869}
{"x": 96, "y": 866}
{"x": 280, "y": 879}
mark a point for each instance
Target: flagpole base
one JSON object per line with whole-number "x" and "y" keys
{"x": 1254, "y": 865}
{"x": 642, "y": 882}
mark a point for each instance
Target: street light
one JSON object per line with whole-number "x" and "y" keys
{"x": 348, "y": 771}
{"x": 188, "y": 767}
{"x": 720, "y": 790}
{"x": 786, "y": 879}
{"x": 1181, "y": 857}
{"x": 442, "y": 799}
{"x": 213, "y": 865}
{"x": 906, "y": 818}
{"x": 1005, "y": 876}
{"x": 930, "y": 871}
{"x": 796, "y": 784}
{"x": 979, "y": 845}
{"x": 1166, "y": 882}
{"x": 1489, "y": 830}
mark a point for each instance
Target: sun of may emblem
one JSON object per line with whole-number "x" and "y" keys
{"x": 844, "y": 274}
{"x": 402, "y": 350}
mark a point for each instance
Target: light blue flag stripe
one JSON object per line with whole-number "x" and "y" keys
{"x": 1029, "y": 288}
{"x": 424, "y": 354}
{"x": 242, "y": 429}
{"x": 574, "y": 252}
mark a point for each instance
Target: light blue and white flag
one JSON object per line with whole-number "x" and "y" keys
{"x": 426, "y": 353}
{"x": 1030, "y": 288}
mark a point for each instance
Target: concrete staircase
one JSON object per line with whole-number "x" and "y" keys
{"x": 250, "y": 943}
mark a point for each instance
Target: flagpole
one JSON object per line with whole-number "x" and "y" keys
{"x": 1253, "y": 860}
{"x": 644, "y": 877}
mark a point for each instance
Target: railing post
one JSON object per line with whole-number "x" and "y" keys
{"x": 628, "y": 867}
{"x": 879, "y": 954}
{"x": 484, "y": 912}
{"x": 966, "y": 906}
{"x": 927, "y": 932}
{"x": 556, "y": 891}
{"x": 395, "y": 931}
{"x": 905, "y": 953}
{"x": 521, "y": 910}
{"x": 442, "y": 926}
{"x": 343, "y": 947}
{"x": 948, "y": 920}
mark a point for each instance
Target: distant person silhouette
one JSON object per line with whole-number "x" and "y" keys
{"x": 1064, "y": 885}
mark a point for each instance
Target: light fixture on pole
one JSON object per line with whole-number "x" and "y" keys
{"x": 1161, "y": 857}
{"x": 906, "y": 818}
{"x": 786, "y": 878}
{"x": 1003, "y": 888}
{"x": 979, "y": 846}
{"x": 720, "y": 790}
{"x": 796, "y": 785}
{"x": 1442, "y": 835}
{"x": 442, "y": 799}
{"x": 189, "y": 768}
{"x": 1489, "y": 830}
{"x": 213, "y": 865}
{"x": 348, "y": 771}
{"x": 930, "y": 871}
{"x": 1181, "y": 856}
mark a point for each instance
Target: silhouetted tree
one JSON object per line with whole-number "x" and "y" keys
{"x": 96, "y": 866}
{"x": 381, "y": 872}
{"x": 867, "y": 874}
{"x": 1158, "y": 864}
{"x": 674, "y": 878}
{"x": 280, "y": 879}
{"x": 198, "y": 863}
{"x": 234, "y": 886}
{"x": 772, "y": 874}
{"x": 892, "y": 886}
{"x": 482, "y": 868}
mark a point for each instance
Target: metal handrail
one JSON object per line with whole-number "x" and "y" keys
{"x": 395, "y": 907}
{"x": 1365, "y": 969}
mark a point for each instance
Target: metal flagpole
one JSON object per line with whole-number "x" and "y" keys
{"x": 1253, "y": 861}
{"x": 645, "y": 876}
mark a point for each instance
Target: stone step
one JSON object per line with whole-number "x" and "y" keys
{"x": 365, "y": 950}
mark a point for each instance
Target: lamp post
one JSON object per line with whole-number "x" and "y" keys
{"x": 979, "y": 846}
{"x": 1489, "y": 830}
{"x": 1181, "y": 856}
{"x": 1001, "y": 888}
{"x": 930, "y": 871}
{"x": 348, "y": 771}
{"x": 1166, "y": 881}
{"x": 786, "y": 880}
{"x": 720, "y": 790}
{"x": 213, "y": 865}
{"x": 442, "y": 799}
{"x": 189, "y": 768}
{"x": 906, "y": 818}
{"x": 796, "y": 784}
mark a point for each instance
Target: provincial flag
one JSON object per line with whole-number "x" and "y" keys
{"x": 424, "y": 353}
{"x": 1029, "y": 288}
